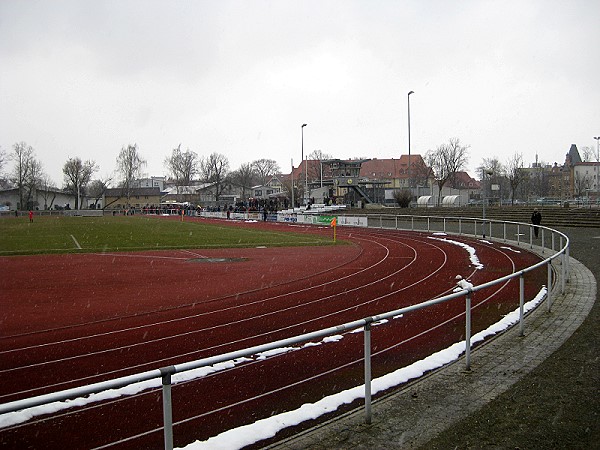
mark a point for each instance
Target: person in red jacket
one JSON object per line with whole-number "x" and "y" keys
{"x": 30, "y": 216}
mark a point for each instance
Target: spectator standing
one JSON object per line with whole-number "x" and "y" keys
{"x": 30, "y": 216}
{"x": 536, "y": 220}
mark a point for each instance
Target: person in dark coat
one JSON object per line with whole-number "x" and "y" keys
{"x": 536, "y": 219}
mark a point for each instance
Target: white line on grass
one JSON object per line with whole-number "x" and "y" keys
{"x": 76, "y": 243}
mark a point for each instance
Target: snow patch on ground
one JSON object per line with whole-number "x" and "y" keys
{"x": 472, "y": 253}
{"x": 266, "y": 428}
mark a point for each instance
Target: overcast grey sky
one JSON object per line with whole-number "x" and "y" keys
{"x": 85, "y": 78}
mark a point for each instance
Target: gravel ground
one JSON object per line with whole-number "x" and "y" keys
{"x": 557, "y": 405}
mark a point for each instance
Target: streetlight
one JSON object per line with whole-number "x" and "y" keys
{"x": 597, "y": 164}
{"x": 409, "y": 184}
{"x": 305, "y": 168}
{"x": 484, "y": 173}
{"x": 293, "y": 204}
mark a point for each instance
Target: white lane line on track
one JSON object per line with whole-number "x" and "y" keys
{"x": 125, "y": 255}
{"x": 378, "y": 280}
{"x": 195, "y": 316}
{"x": 267, "y": 314}
{"x": 221, "y": 325}
{"x": 238, "y": 294}
{"x": 197, "y": 255}
{"x": 76, "y": 243}
{"x": 345, "y": 364}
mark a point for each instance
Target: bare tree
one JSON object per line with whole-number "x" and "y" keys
{"x": 446, "y": 160}
{"x": 588, "y": 154}
{"x": 26, "y": 172}
{"x": 265, "y": 169}
{"x": 539, "y": 180}
{"x": 77, "y": 176}
{"x": 48, "y": 189}
{"x": 2, "y": 159}
{"x": 129, "y": 166}
{"x": 515, "y": 174}
{"x": 291, "y": 190}
{"x": 97, "y": 188}
{"x": 183, "y": 166}
{"x": 581, "y": 184}
{"x": 244, "y": 177}
{"x": 421, "y": 172}
{"x": 33, "y": 182}
{"x": 214, "y": 169}
{"x": 315, "y": 164}
{"x": 496, "y": 175}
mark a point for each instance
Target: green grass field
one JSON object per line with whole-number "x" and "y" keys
{"x": 60, "y": 234}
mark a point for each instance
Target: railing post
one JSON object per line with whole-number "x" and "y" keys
{"x": 548, "y": 294}
{"x": 521, "y": 304}
{"x": 444, "y": 224}
{"x": 543, "y": 242}
{"x": 459, "y": 226}
{"x": 568, "y": 263}
{"x": 167, "y": 406}
{"x": 428, "y": 228}
{"x": 381, "y": 221}
{"x": 367, "y": 333}
{"x": 396, "y": 222}
{"x": 468, "y": 331}
{"x": 563, "y": 271}
{"x": 518, "y": 235}
{"x": 504, "y": 232}
{"x": 530, "y": 237}
{"x": 412, "y": 223}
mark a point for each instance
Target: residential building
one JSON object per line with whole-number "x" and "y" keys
{"x": 151, "y": 182}
{"x": 585, "y": 180}
{"x": 138, "y": 198}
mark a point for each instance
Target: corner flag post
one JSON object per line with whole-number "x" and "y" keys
{"x": 333, "y": 223}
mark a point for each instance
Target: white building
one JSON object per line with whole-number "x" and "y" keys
{"x": 40, "y": 199}
{"x": 586, "y": 179}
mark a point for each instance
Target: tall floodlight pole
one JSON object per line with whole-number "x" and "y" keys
{"x": 483, "y": 174}
{"x": 597, "y": 164}
{"x": 409, "y": 176}
{"x": 305, "y": 168}
{"x": 293, "y": 204}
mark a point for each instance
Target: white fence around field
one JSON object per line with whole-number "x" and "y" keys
{"x": 555, "y": 243}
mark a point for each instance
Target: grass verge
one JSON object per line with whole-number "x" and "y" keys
{"x": 134, "y": 233}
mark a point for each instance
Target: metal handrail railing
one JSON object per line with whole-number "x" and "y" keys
{"x": 166, "y": 373}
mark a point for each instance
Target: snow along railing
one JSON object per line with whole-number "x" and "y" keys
{"x": 380, "y": 221}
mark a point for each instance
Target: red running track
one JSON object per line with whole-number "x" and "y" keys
{"x": 71, "y": 320}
